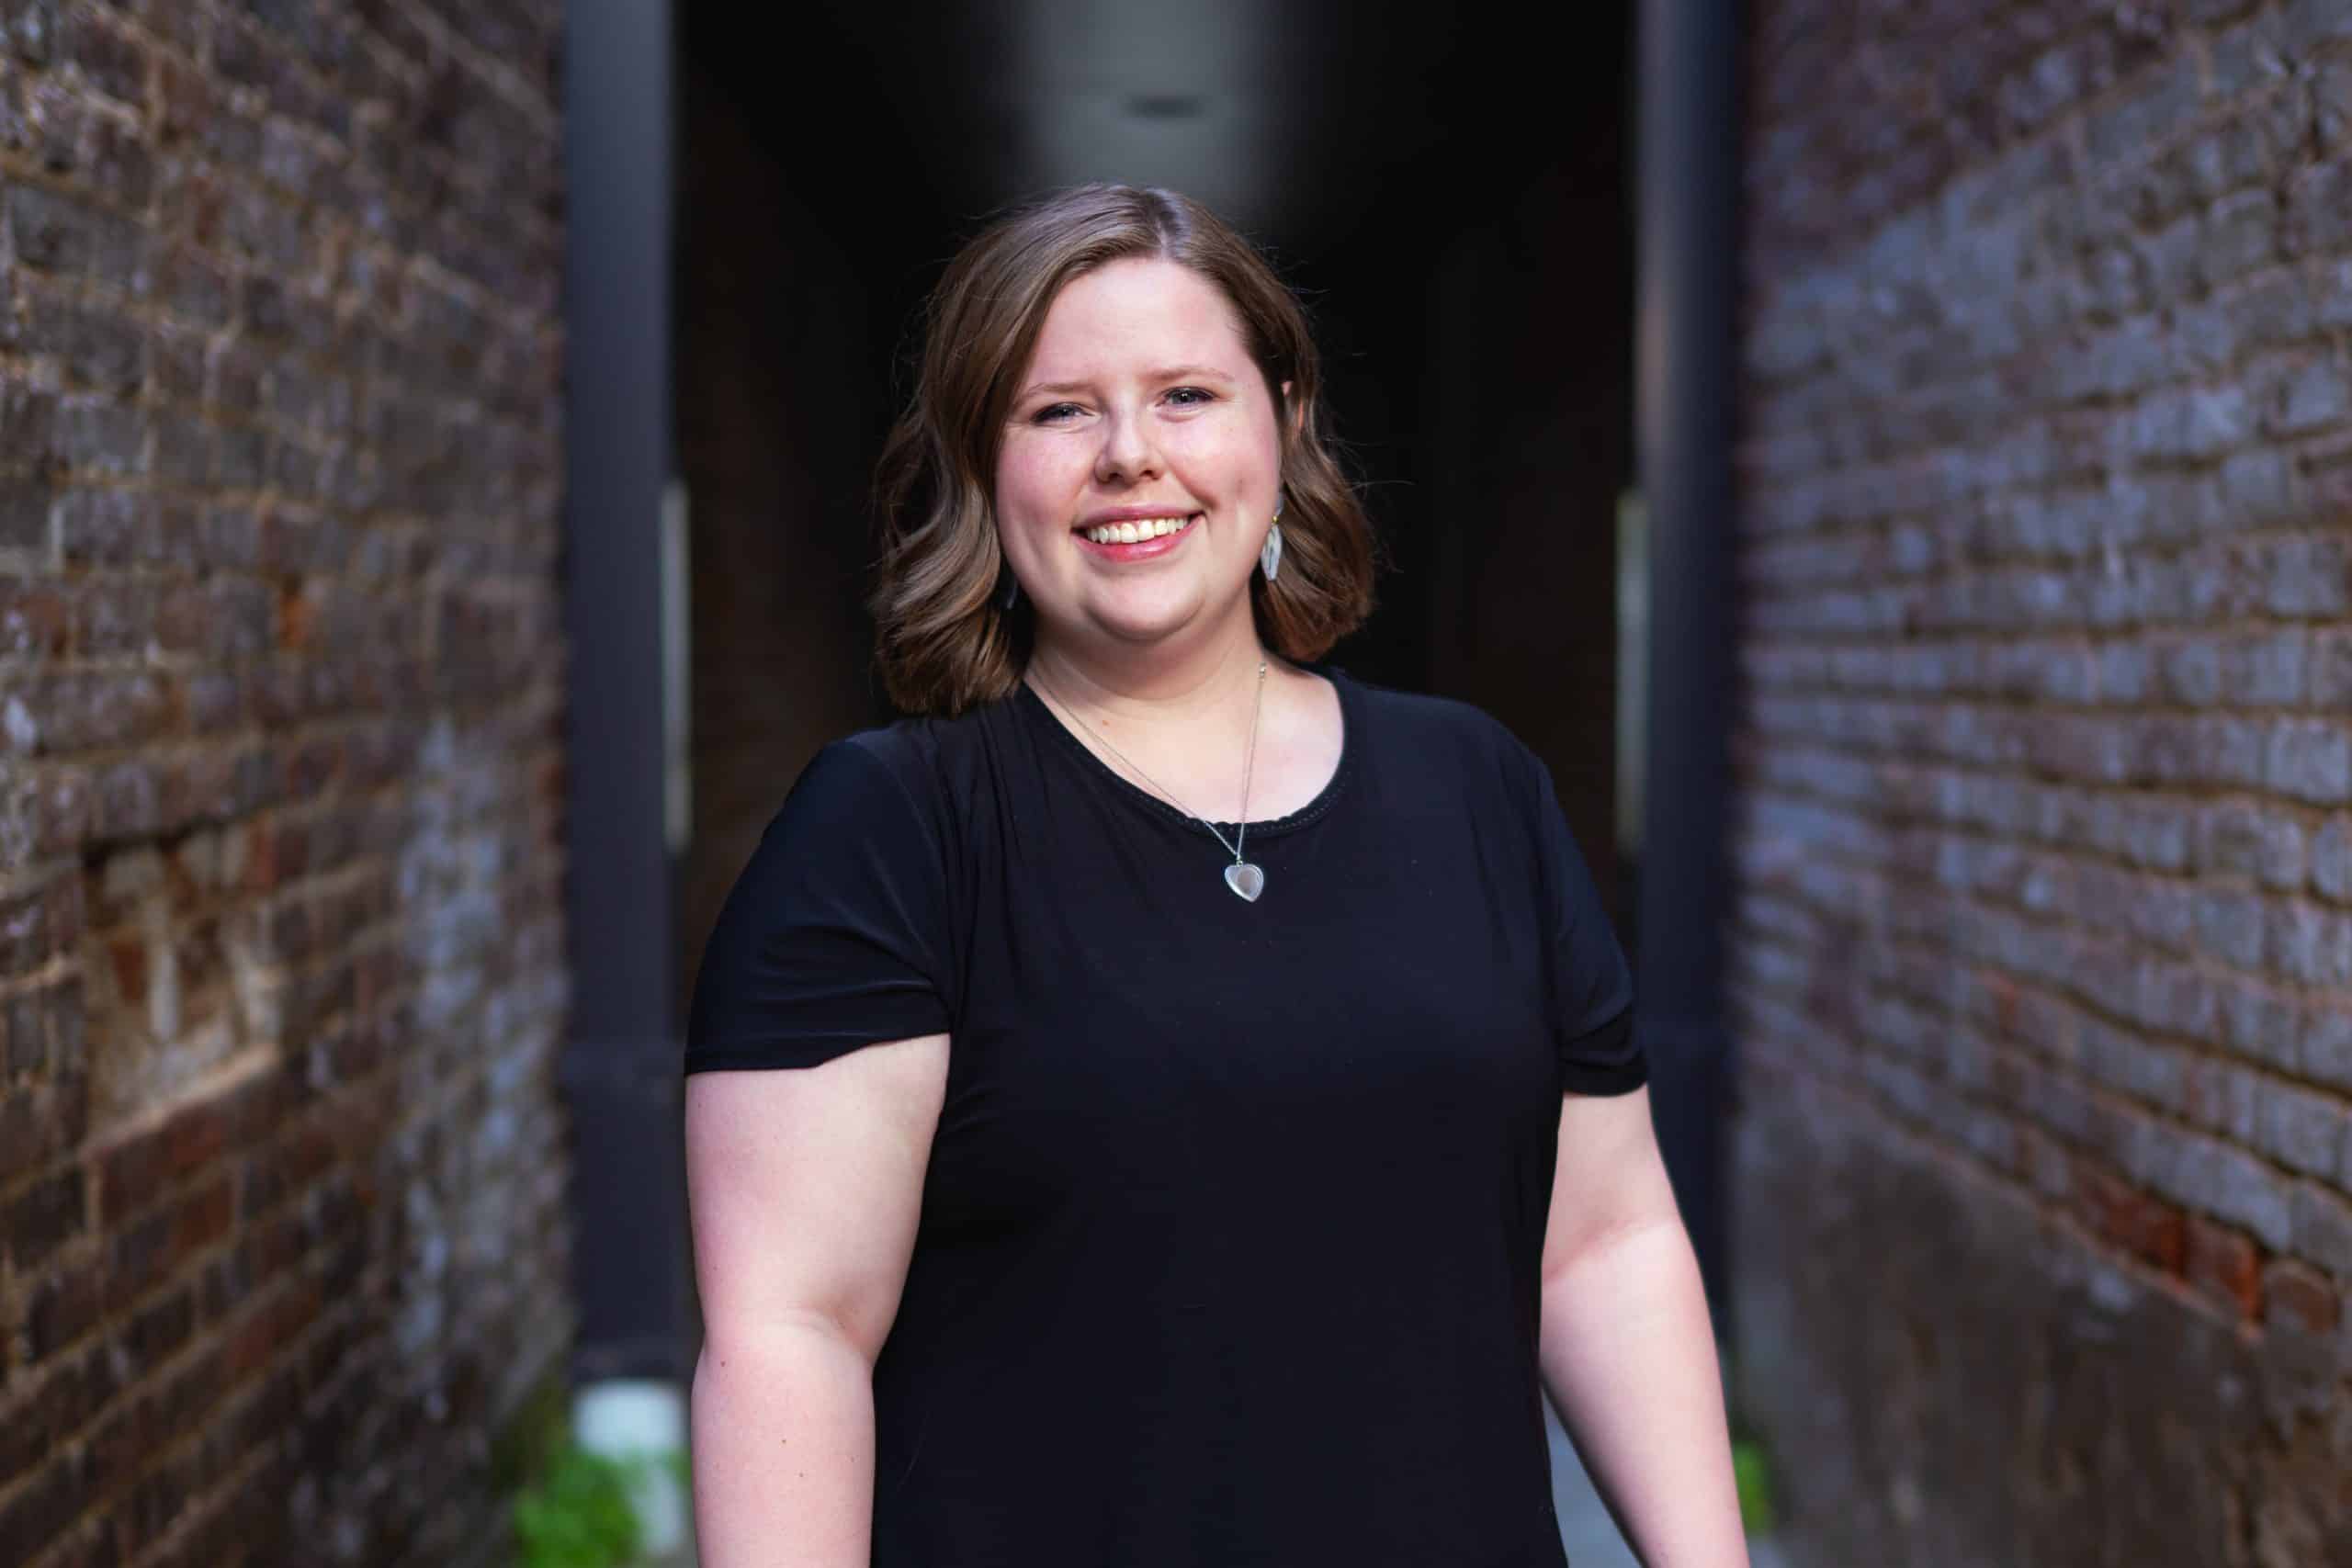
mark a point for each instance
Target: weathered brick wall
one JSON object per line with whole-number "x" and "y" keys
{"x": 281, "y": 1175}
{"x": 2043, "y": 853}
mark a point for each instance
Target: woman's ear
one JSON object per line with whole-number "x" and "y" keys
{"x": 1296, "y": 412}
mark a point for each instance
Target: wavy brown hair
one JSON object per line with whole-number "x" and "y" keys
{"x": 944, "y": 640}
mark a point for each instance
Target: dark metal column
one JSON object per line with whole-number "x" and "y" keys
{"x": 1685, "y": 372}
{"x": 631, "y": 1271}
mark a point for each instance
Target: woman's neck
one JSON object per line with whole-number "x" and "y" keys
{"x": 1205, "y": 739}
{"x": 1155, "y": 692}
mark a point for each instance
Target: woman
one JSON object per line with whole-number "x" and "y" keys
{"x": 1215, "y": 1112}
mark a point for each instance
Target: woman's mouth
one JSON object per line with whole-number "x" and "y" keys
{"x": 1144, "y": 537}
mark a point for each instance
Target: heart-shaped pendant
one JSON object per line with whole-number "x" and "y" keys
{"x": 1244, "y": 879}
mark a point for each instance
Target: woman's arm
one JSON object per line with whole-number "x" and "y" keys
{"x": 1628, "y": 1350}
{"x": 805, "y": 1187}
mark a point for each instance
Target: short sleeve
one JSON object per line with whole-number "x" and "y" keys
{"x": 1590, "y": 984}
{"x": 834, "y": 934}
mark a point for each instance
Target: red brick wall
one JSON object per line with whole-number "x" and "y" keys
{"x": 2043, "y": 842}
{"x": 281, "y": 975}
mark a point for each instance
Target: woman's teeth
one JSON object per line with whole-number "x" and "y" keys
{"x": 1136, "y": 532}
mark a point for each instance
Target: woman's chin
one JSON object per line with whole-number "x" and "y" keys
{"x": 1146, "y": 613}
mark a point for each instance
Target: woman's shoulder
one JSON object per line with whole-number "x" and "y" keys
{"x": 888, "y": 769}
{"x": 925, "y": 750}
{"x": 931, "y": 763}
{"x": 1434, "y": 726}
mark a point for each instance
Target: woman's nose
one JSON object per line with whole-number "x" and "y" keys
{"x": 1127, "y": 450}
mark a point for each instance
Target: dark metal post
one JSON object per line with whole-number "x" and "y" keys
{"x": 1685, "y": 371}
{"x": 630, "y": 1266}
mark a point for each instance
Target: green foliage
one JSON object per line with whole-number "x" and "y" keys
{"x": 1751, "y": 1461}
{"x": 579, "y": 1515}
{"x": 525, "y": 1446}
{"x": 1752, "y": 1472}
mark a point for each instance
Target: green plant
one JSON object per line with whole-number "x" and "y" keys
{"x": 579, "y": 1514}
{"x": 1751, "y": 1461}
{"x": 1752, "y": 1472}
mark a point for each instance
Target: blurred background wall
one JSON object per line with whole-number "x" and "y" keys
{"x": 2042, "y": 965}
{"x": 282, "y": 971}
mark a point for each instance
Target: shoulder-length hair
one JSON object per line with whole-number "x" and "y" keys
{"x": 944, "y": 640}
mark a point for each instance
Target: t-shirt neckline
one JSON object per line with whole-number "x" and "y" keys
{"x": 1350, "y": 743}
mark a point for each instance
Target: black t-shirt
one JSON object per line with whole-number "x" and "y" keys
{"x": 1230, "y": 1234}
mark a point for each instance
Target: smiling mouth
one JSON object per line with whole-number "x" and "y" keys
{"x": 1141, "y": 531}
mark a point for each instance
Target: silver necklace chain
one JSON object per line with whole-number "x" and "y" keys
{"x": 1242, "y": 821}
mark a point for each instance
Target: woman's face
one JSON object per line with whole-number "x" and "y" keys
{"x": 1139, "y": 397}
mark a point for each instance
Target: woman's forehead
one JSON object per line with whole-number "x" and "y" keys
{"x": 1136, "y": 299}
{"x": 1145, "y": 309}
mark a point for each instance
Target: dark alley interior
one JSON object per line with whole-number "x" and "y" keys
{"x": 1448, "y": 192}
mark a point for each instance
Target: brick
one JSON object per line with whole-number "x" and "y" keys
{"x": 2143, "y": 1225}
{"x": 80, "y": 711}
{"x": 2331, "y": 859}
{"x": 57, "y": 233}
{"x": 2225, "y": 1098}
{"x": 134, "y": 1173}
{"x": 2230, "y": 925}
{"x": 25, "y": 502}
{"x": 2303, "y": 1128}
{"x": 2308, "y": 943}
{"x": 165, "y": 1410}
{"x": 51, "y": 1402}
{"x": 2261, "y": 1023}
{"x": 2253, "y": 489}
{"x": 2305, "y": 26}
{"x": 2225, "y": 1265}
{"x": 271, "y": 1326}
{"x": 38, "y": 1511}
{"x": 62, "y": 1306}
{"x": 2142, "y": 1068}
{"x": 2308, "y": 760}
{"x": 2299, "y": 1296}
{"x": 112, "y": 60}
{"x": 2326, "y": 1049}
{"x": 158, "y": 1245}
{"x": 2316, "y": 395}
{"x": 2308, "y": 577}
{"x": 2239, "y": 234}
{"x": 2323, "y": 1228}
{"x": 43, "y": 1216}
{"x": 2332, "y": 669}
{"x": 2265, "y": 669}
{"x": 2316, "y": 221}
{"x": 2216, "y": 1178}
{"x": 39, "y": 1123}
{"x": 2251, "y": 839}
{"x": 35, "y": 619}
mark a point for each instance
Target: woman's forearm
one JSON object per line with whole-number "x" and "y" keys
{"x": 1628, "y": 1355}
{"x": 784, "y": 1452}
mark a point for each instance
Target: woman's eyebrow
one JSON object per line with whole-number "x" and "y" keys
{"x": 1172, "y": 373}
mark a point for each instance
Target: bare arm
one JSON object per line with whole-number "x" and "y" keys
{"x": 804, "y": 1185}
{"x": 1628, "y": 1350}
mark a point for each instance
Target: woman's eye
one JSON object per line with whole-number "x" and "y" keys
{"x": 1194, "y": 397}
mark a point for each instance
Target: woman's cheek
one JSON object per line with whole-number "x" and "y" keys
{"x": 1028, "y": 481}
